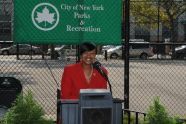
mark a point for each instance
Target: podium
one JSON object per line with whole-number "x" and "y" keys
{"x": 95, "y": 106}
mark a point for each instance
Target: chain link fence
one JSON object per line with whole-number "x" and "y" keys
{"x": 156, "y": 64}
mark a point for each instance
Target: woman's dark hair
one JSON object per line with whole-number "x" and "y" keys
{"x": 86, "y": 47}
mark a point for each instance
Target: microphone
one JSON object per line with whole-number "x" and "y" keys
{"x": 97, "y": 65}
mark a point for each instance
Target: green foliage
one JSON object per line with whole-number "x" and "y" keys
{"x": 132, "y": 119}
{"x": 125, "y": 119}
{"x": 25, "y": 110}
{"x": 146, "y": 12}
{"x": 158, "y": 115}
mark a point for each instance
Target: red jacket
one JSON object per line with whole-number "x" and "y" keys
{"x": 73, "y": 80}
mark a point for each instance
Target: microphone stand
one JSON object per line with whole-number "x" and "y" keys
{"x": 107, "y": 79}
{"x": 97, "y": 65}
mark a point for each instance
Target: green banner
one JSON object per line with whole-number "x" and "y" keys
{"x": 67, "y": 21}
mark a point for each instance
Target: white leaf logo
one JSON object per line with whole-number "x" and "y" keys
{"x": 45, "y": 16}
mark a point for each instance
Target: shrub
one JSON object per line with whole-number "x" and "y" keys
{"x": 133, "y": 118}
{"x": 158, "y": 115}
{"x": 25, "y": 110}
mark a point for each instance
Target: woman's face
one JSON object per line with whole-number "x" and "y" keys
{"x": 88, "y": 57}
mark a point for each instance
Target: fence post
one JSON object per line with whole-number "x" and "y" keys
{"x": 126, "y": 40}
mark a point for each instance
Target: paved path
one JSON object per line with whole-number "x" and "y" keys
{"x": 148, "y": 79}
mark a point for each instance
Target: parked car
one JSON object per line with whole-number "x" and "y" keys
{"x": 56, "y": 50}
{"x": 4, "y": 44}
{"x": 141, "y": 50}
{"x": 113, "y": 53}
{"x": 24, "y": 49}
{"x": 64, "y": 50}
{"x": 107, "y": 47}
{"x": 180, "y": 52}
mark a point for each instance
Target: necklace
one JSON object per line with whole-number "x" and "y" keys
{"x": 88, "y": 77}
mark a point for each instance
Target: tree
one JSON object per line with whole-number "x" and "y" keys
{"x": 167, "y": 12}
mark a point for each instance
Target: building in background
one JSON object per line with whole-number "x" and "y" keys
{"x": 6, "y": 9}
